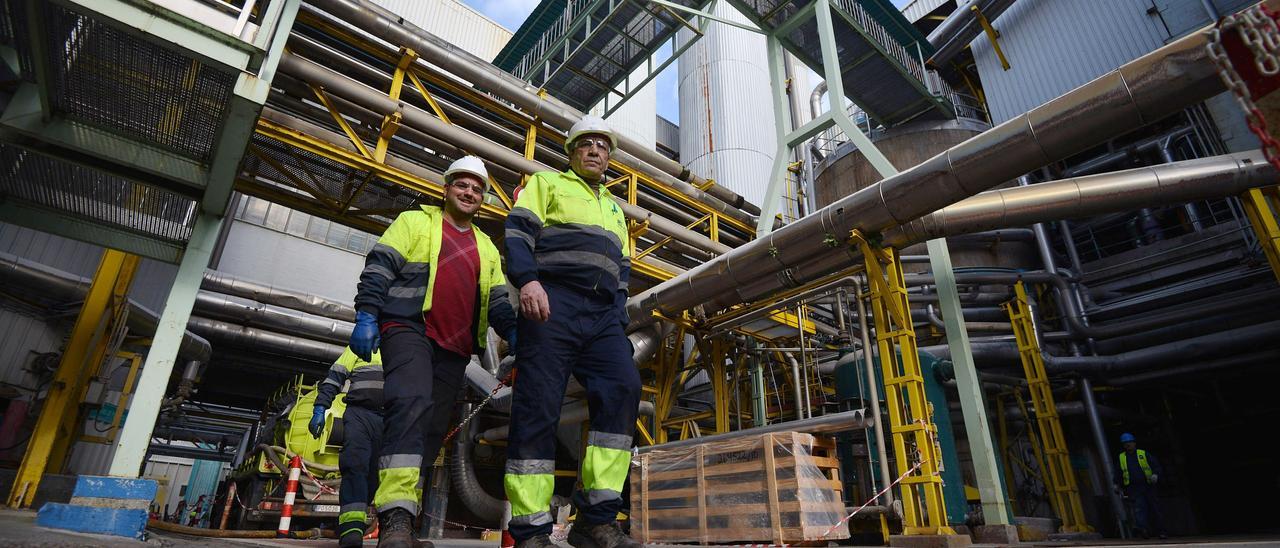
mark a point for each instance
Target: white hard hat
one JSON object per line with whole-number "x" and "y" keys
{"x": 468, "y": 164}
{"x": 589, "y": 124}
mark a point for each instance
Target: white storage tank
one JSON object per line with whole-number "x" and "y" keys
{"x": 726, "y": 107}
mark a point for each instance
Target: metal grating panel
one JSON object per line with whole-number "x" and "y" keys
{"x": 119, "y": 82}
{"x": 94, "y": 196}
{"x": 331, "y": 178}
{"x": 15, "y": 33}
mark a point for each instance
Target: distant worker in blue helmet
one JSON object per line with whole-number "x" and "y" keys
{"x": 1139, "y": 472}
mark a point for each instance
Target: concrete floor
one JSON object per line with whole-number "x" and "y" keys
{"x": 18, "y": 529}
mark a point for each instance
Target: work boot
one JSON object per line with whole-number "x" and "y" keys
{"x": 351, "y": 535}
{"x": 539, "y": 541}
{"x": 396, "y": 530}
{"x": 600, "y": 535}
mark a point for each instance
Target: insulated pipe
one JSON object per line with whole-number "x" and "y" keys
{"x": 1090, "y": 195}
{"x": 801, "y": 406}
{"x": 961, "y": 27}
{"x": 369, "y": 76}
{"x": 222, "y": 282}
{"x": 822, "y": 424}
{"x": 1141, "y": 91}
{"x": 265, "y": 341}
{"x": 249, "y": 313}
{"x": 815, "y": 109}
{"x": 376, "y": 101}
{"x": 393, "y": 29}
{"x": 466, "y": 485}
{"x": 48, "y": 282}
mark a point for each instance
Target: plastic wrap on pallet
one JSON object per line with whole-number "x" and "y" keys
{"x": 735, "y": 491}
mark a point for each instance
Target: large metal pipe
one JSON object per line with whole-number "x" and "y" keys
{"x": 261, "y": 340}
{"x": 463, "y": 475}
{"x": 961, "y": 27}
{"x": 378, "y": 102}
{"x": 572, "y": 413}
{"x": 51, "y": 283}
{"x": 250, "y": 313}
{"x": 822, "y": 424}
{"x": 383, "y": 24}
{"x": 1139, "y": 92}
{"x": 222, "y": 282}
{"x": 1256, "y": 358}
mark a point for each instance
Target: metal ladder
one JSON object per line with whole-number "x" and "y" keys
{"x": 1058, "y": 476}
{"x": 1262, "y": 205}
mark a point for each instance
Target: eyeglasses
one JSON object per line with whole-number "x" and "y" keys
{"x": 463, "y": 185}
{"x": 587, "y": 142}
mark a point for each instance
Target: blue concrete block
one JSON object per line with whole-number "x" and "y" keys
{"x": 104, "y": 487}
{"x": 89, "y": 519}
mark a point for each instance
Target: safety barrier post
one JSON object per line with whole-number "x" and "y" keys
{"x": 290, "y": 493}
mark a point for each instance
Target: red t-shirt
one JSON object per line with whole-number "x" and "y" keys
{"x": 453, "y": 299}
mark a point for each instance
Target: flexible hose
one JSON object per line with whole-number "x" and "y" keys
{"x": 232, "y": 533}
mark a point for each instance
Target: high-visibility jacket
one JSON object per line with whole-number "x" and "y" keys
{"x": 365, "y": 378}
{"x": 1142, "y": 463}
{"x": 561, "y": 231}
{"x": 400, "y": 273}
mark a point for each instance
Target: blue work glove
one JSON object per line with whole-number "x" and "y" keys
{"x": 511, "y": 342}
{"x": 364, "y": 337}
{"x": 317, "y": 421}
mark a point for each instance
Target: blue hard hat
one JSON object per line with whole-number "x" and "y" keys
{"x": 1127, "y": 437}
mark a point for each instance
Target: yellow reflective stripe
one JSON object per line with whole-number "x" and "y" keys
{"x": 353, "y": 516}
{"x": 397, "y": 488}
{"x": 529, "y": 493}
{"x": 604, "y": 468}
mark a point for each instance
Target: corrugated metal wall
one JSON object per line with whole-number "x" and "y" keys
{"x": 24, "y": 334}
{"x": 172, "y": 473}
{"x": 726, "y": 108}
{"x": 455, "y": 22}
{"x": 1055, "y": 46}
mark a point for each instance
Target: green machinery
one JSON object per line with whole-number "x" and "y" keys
{"x": 257, "y": 484}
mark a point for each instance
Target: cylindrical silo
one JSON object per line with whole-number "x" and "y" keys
{"x": 726, "y": 109}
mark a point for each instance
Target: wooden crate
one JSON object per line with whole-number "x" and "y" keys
{"x": 736, "y": 491}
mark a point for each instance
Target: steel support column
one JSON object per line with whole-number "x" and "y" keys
{"x": 135, "y": 436}
{"x": 108, "y": 291}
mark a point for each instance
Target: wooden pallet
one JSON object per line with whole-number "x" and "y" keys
{"x": 735, "y": 491}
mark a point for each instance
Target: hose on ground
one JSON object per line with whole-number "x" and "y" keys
{"x": 232, "y": 533}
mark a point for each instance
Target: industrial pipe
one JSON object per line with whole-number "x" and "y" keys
{"x": 1141, "y": 91}
{"x": 462, "y": 474}
{"x": 961, "y": 27}
{"x": 573, "y": 413}
{"x": 265, "y": 341}
{"x": 51, "y": 283}
{"x": 378, "y": 102}
{"x": 222, "y": 282}
{"x": 822, "y": 424}
{"x": 383, "y": 24}
{"x": 1206, "y": 346}
{"x": 249, "y": 313}
{"x": 1268, "y": 357}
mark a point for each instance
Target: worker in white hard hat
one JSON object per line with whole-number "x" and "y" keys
{"x": 430, "y": 289}
{"x": 569, "y": 254}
